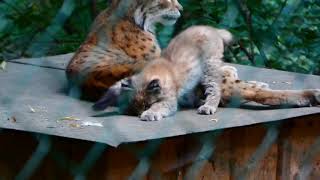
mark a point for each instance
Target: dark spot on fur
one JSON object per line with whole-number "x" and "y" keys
{"x": 244, "y": 88}
{"x": 127, "y": 37}
{"x": 254, "y": 86}
{"x": 134, "y": 57}
{"x": 80, "y": 61}
{"x": 142, "y": 47}
{"x": 146, "y": 56}
{"x": 144, "y": 39}
{"x": 224, "y": 81}
{"x": 152, "y": 50}
{"x": 238, "y": 81}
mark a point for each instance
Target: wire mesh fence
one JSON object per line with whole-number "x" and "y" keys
{"x": 40, "y": 28}
{"x": 268, "y": 152}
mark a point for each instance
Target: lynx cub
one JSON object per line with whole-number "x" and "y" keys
{"x": 193, "y": 58}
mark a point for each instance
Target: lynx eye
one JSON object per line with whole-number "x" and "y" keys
{"x": 154, "y": 86}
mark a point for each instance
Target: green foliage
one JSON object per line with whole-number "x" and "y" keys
{"x": 281, "y": 34}
{"x": 51, "y": 26}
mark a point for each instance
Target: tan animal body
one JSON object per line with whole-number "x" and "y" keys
{"x": 120, "y": 43}
{"x": 194, "y": 58}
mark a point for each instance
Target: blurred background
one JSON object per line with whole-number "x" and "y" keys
{"x": 279, "y": 34}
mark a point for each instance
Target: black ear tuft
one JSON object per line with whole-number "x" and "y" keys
{"x": 109, "y": 99}
{"x": 154, "y": 86}
{"x": 126, "y": 84}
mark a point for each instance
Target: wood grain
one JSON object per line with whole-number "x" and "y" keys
{"x": 251, "y": 152}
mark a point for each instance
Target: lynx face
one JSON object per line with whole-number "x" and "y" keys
{"x": 151, "y": 12}
{"x": 137, "y": 96}
{"x": 154, "y": 84}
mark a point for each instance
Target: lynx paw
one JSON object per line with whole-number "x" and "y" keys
{"x": 150, "y": 115}
{"x": 309, "y": 98}
{"x": 206, "y": 110}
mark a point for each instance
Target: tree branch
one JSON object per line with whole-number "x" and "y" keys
{"x": 93, "y": 9}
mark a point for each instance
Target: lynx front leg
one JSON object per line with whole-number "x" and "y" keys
{"x": 211, "y": 82}
{"x": 160, "y": 110}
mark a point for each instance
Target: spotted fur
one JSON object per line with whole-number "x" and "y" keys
{"x": 233, "y": 87}
{"x": 194, "y": 58}
{"x": 120, "y": 43}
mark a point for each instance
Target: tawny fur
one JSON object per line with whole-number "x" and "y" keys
{"x": 120, "y": 43}
{"x": 194, "y": 58}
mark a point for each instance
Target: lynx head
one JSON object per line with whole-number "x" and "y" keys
{"x": 137, "y": 97}
{"x": 148, "y": 13}
{"x": 137, "y": 93}
{"x": 153, "y": 84}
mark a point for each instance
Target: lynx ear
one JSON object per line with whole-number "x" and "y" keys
{"x": 109, "y": 99}
{"x": 154, "y": 86}
{"x": 126, "y": 84}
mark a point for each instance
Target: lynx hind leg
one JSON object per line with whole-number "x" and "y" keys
{"x": 211, "y": 81}
{"x": 295, "y": 98}
{"x": 286, "y": 98}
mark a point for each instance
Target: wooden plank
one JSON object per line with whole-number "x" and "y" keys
{"x": 247, "y": 162}
{"x": 295, "y": 155}
{"x": 300, "y": 152}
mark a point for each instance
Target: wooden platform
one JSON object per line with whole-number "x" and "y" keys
{"x": 286, "y": 151}
{"x": 251, "y": 142}
{"x": 33, "y": 93}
